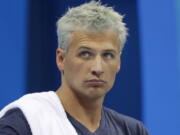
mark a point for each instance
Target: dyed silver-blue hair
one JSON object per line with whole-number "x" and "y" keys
{"x": 92, "y": 16}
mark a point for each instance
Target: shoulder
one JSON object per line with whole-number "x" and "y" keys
{"x": 128, "y": 124}
{"x": 26, "y": 109}
{"x": 32, "y": 103}
{"x": 14, "y": 122}
{"x": 120, "y": 117}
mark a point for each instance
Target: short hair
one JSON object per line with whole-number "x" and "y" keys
{"x": 92, "y": 16}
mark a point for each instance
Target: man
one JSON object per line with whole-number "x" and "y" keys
{"x": 91, "y": 38}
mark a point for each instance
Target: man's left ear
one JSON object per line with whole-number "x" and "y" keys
{"x": 118, "y": 69}
{"x": 119, "y": 66}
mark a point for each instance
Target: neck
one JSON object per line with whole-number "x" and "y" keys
{"x": 85, "y": 110}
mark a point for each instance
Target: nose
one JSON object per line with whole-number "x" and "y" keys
{"x": 97, "y": 66}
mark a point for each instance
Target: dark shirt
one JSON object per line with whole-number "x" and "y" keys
{"x": 112, "y": 123}
{"x": 14, "y": 123}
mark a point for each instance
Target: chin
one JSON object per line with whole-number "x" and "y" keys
{"x": 96, "y": 93}
{"x": 91, "y": 92}
{"x": 95, "y": 96}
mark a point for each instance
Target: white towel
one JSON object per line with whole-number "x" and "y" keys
{"x": 44, "y": 113}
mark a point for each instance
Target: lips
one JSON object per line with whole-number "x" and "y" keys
{"x": 95, "y": 82}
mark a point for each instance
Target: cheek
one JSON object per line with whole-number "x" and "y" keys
{"x": 112, "y": 71}
{"x": 75, "y": 68}
{"x": 112, "y": 75}
{"x": 113, "y": 68}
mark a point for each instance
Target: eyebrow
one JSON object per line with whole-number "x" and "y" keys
{"x": 110, "y": 50}
{"x": 84, "y": 47}
{"x": 106, "y": 50}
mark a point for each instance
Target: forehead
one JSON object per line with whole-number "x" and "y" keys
{"x": 96, "y": 40}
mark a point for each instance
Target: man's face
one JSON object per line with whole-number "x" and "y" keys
{"x": 91, "y": 63}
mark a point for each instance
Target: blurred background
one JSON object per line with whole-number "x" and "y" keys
{"x": 148, "y": 85}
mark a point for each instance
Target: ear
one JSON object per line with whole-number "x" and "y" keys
{"x": 119, "y": 66}
{"x": 60, "y": 58}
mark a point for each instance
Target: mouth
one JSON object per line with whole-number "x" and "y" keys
{"x": 95, "y": 82}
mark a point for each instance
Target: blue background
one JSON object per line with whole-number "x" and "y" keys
{"x": 148, "y": 85}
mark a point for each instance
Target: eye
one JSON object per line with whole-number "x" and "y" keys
{"x": 108, "y": 55}
{"x": 85, "y": 54}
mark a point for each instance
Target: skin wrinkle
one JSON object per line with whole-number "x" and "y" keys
{"x": 83, "y": 37}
